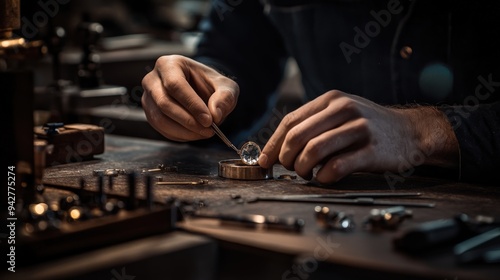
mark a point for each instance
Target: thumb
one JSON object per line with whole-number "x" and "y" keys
{"x": 222, "y": 102}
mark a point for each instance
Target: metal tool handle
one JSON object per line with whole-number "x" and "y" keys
{"x": 224, "y": 138}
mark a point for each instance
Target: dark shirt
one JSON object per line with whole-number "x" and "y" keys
{"x": 442, "y": 53}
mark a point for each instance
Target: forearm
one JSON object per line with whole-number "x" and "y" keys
{"x": 459, "y": 137}
{"x": 433, "y": 138}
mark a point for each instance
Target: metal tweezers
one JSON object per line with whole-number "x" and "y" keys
{"x": 347, "y": 198}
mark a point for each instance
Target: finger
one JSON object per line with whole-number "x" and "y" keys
{"x": 271, "y": 151}
{"x": 174, "y": 80}
{"x": 344, "y": 164}
{"x": 336, "y": 114}
{"x": 168, "y": 127}
{"x": 223, "y": 102}
{"x": 171, "y": 108}
{"x": 326, "y": 144}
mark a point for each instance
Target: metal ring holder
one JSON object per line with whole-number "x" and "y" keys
{"x": 236, "y": 169}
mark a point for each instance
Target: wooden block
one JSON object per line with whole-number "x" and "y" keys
{"x": 72, "y": 142}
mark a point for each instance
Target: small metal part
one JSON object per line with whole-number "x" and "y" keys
{"x": 161, "y": 168}
{"x": 199, "y": 182}
{"x": 165, "y": 168}
{"x": 109, "y": 172}
{"x": 389, "y": 218}
{"x": 287, "y": 177}
{"x": 329, "y": 219}
{"x": 236, "y": 169}
{"x": 145, "y": 170}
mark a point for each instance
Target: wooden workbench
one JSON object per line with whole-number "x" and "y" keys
{"x": 311, "y": 254}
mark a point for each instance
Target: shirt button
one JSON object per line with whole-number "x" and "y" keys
{"x": 406, "y": 52}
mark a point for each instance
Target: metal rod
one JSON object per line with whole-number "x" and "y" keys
{"x": 349, "y": 195}
{"x": 350, "y": 201}
{"x": 224, "y": 138}
{"x": 256, "y": 221}
{"x": 200, "y": 182}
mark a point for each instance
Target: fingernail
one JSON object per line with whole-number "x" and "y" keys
{"x": 207, "y": 132}
{"x": 219, "y": 114}
{"x": 205, "y": 120}
{"x": 263, "y": 160}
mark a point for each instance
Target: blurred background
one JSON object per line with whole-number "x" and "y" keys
{"x": 99, "y": 51}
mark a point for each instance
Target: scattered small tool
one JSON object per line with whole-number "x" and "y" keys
{"x": 161, "y": 168}
{"x": 484, "y": 248}
{"x": 441, "y": 232}
{"x": 109, "y": 172}
{"x": 347, "y": 198}
{"x": 255, "y": 221}
{"x": 329, "y": 219}
{"x": 352, "y": 195}
{"x": 389, "y": 218}
{"x": 287, "y": 177}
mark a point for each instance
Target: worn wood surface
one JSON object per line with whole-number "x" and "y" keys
{"x": 360, "y": 249}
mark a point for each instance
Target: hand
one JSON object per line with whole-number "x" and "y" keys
{"x": 182, "y": 98}
{"x": 344, "y": 133}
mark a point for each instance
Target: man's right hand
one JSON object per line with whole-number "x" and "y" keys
{"x": 182, "y": 98}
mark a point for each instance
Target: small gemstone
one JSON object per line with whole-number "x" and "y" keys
{"x": 250, "y": 153}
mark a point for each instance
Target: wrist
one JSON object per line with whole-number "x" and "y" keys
{"x": 433, "y": 136}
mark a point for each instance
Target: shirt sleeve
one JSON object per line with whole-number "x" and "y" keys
{"x": 239, "y": 41}
{"x": 477, "y": 129}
